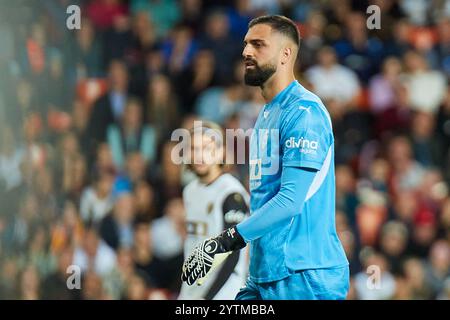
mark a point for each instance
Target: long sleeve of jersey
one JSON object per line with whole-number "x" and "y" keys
{"x": 288, "y": 202}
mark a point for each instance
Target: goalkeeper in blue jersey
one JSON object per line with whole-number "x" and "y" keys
{"x": 295, "y": 252}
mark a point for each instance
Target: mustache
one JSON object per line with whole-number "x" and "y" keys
{"x": 250, "y": 61}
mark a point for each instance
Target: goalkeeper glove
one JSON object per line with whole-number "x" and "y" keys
{"x": 199, "y": 263}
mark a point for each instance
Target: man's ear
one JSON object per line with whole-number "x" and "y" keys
{"x": 286, "y": 54}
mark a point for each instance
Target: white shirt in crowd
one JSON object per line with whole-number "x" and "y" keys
{"x": 92, "y": 207}
{"x": 103, "y": 262}
{"x": 336, "y": 83}
{"x": 167, "y": 242}
{"x": 426, "y": 90}
{"x": 366, "y": 289}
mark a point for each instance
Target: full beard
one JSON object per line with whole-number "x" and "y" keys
{"x": 259, "y": 75}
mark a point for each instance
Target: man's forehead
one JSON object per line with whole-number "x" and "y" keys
{"x": 258, "y": 32}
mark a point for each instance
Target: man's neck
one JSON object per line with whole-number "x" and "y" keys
{"x": 275, "y": 85}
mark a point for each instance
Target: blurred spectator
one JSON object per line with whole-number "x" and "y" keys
{"x": 169, "y": 176}
{"x": 104, "y": 161}
{"x": 179, "y": 49}
{"x": 56, "y": 98}
{"x": 136, "y": 288}
{"x": 216, "y": 38}
{"x": 86, "y": 52}
{"x": 239, "y": 16}
{"x": 219, "y": 103}
{"x": 67, "y": 231}
{"x": 161, "y": 106}
{"x": 393, "y": 244}
{"x": 115, "y": 282}
{"x": 424, "y": 232}
{"x": 399, "y": 42}
{"x": 143, "y": 257}
{"x": 54, "y": 286}
{"x": 8, "y": 275}
{"x": 117, "y": 40}
{"x": 382, "y": 281}
{"x": 346, "y": 199}
{"x": 348, "y": 240}
{"x": 94, "y": 255}
{"x": 437, "y": 268}
{"x": 407, "y": 173}
{"x": 30, "y": 284}
{"x": 443, "y": 45}
{"x": 144, "y": 39}
{"x": 418, "y": 78}
{"x": 135, "y": 169}
{"x": 312, "y": 39}
{"x": 424, "y": 144}
{"x": 152, "y": 64}
{"x": 144, "y": 198}
{"x": 417, "y": 11}
{"x": 415, "y": 275}
{"x": 191, "y": 14}
{"x": 70, "y": 166}
{"x": 357, "y": 50}
{"x": 445, "y": 292}
{"x": 36, "y": 50}
{"x": 164, "y": 14}
{"x": 169, "y": 232}
{"x": 442, "y": 136}
{"x": 336, "y": 84}
{"x": 383, "y": 87}
{"x": 109, "y": 108}
{"x": 11, "y": 159}
{"x": 131, "y": 135}
{"x": 92, "y": 286}
{"x": 103, "y": 12}
{"x": 116, "y": 229}
{"x": 97, "y": 201}
{"x": 38, "y": 255}
{"x": 200, "y": 75}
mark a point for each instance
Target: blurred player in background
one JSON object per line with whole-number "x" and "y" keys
{"x": 295, "y": 252}
{"x": 214, "y": 201}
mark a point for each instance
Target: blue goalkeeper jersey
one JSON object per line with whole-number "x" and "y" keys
{"x": 295, "y": 130}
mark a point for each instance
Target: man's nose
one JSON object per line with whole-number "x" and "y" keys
{"x": 246, "y": 53}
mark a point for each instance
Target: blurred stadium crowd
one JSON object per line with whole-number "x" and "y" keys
{"x": 86, "y": 116}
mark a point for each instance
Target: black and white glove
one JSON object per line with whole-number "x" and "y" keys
{"x": 199, "y": 263}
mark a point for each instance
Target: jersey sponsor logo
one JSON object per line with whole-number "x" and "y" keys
{"x": 304, "y": 145}
{"x": 234, "y": 216}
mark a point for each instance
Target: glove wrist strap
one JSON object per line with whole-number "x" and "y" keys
{"x": 231, "y": 240}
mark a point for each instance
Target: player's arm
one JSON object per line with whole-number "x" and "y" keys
{"x": 284, "y": 205}
{"x": 234, "y": 210}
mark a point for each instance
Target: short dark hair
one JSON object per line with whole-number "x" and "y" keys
{"x": 281, "y": 24}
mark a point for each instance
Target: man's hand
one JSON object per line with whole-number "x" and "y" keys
{"x": 199, "y": 263}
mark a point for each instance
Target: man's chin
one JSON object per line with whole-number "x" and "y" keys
{"x": 252, "y": 81}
